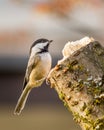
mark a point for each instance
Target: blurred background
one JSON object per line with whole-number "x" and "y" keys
{"x": 22, "y": 22}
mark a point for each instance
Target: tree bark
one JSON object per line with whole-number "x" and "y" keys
{"x": 79, "y": 82}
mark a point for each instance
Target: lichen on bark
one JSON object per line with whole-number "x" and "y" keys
{"x": 79, "y": 82}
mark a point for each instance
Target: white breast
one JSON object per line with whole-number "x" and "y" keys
{"x": 46, "y": 61}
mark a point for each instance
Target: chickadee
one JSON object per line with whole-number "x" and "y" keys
{"x": 38, "y": 67}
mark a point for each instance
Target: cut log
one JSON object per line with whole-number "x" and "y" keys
{"x": 79, "y": 81}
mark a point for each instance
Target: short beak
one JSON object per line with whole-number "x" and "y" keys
{"x": 50, "y": 41}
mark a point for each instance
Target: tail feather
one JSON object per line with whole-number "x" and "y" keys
{"x": 22, "y": 100}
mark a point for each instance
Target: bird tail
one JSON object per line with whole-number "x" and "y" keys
{"x": 22, "y": 100}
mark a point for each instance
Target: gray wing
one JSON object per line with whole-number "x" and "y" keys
{"x": 31, "y": 64}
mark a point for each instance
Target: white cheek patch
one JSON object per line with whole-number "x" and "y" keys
{"x": 41, "y": 45}
{"x": 37, "y": 48}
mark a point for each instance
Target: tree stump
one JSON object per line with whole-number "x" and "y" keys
{"x": 79, "y": 81}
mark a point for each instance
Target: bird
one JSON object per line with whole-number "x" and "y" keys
{"x": 38, "y": 67}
